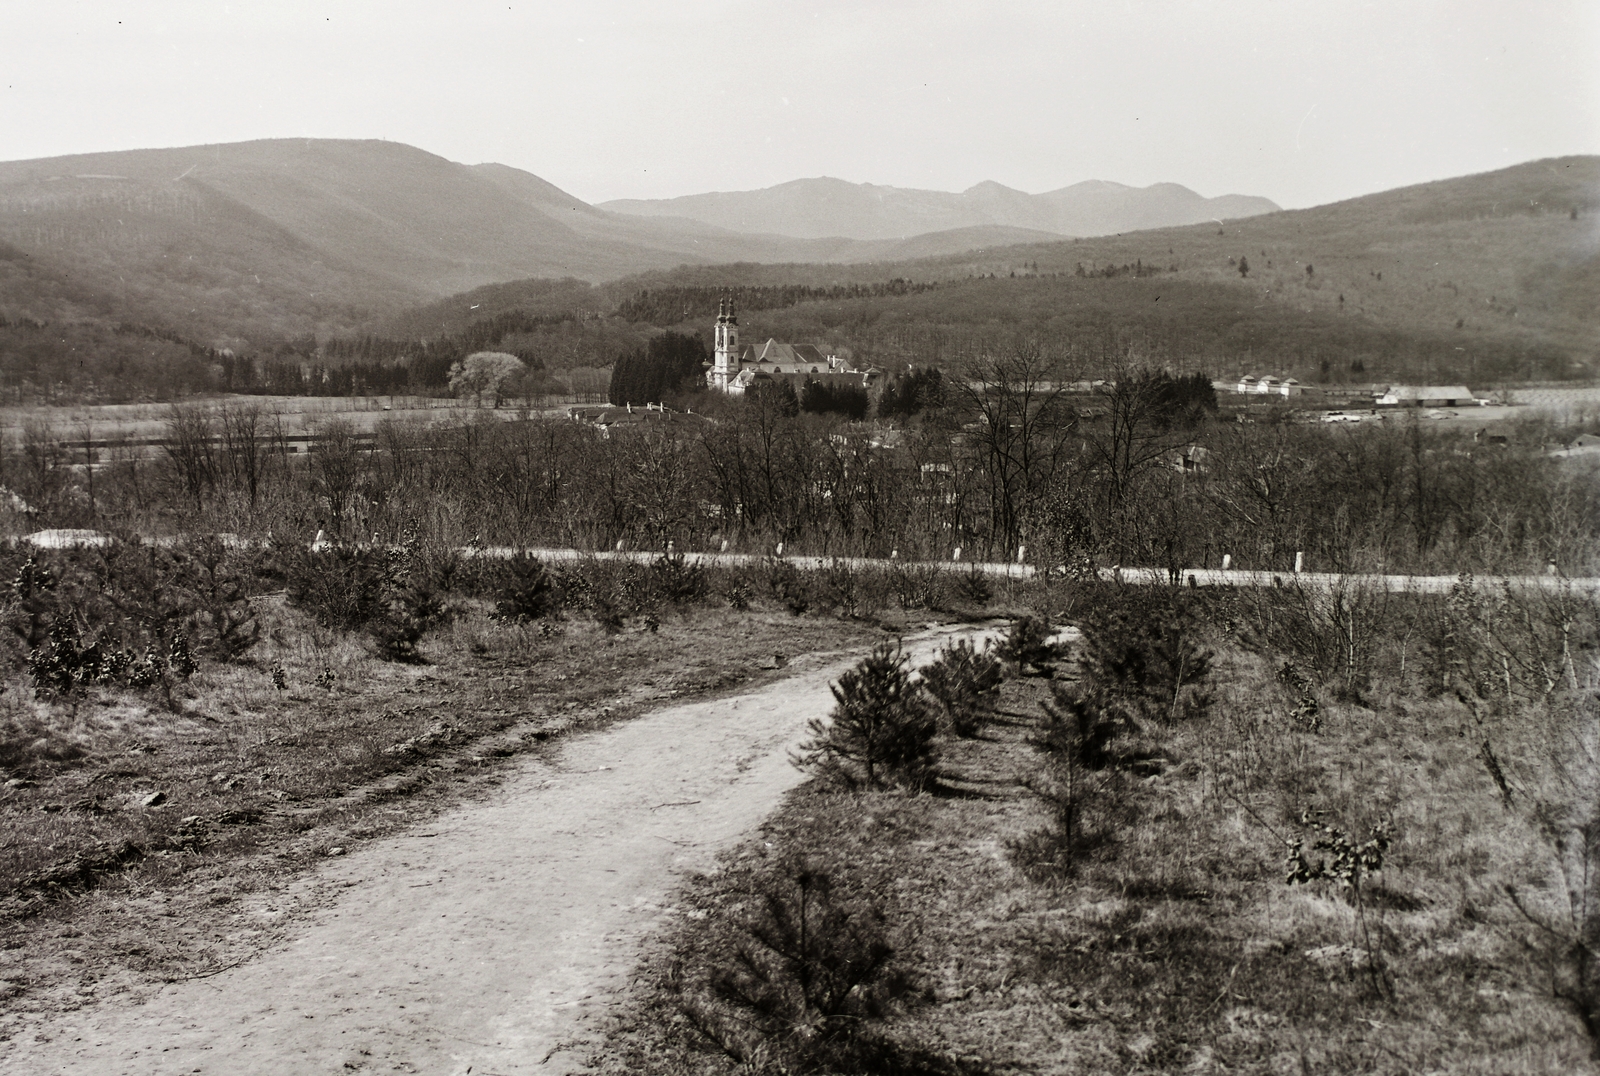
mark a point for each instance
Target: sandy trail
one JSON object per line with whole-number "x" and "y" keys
{"x": 482, "y": 941}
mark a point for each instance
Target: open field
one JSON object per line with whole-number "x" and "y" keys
{"x": 292, "y": 416}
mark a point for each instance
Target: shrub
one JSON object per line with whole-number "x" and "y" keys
{"x": 386, "y": 592}
{"x": 224, "y": 625}
{"x": 964, "y": 681}
{"x": 918, "y": 587}
{"x": 1079, "y": 784}
{"x": 576, "y": 585}
{"x": 1144, "y": 650}
{"x": 851, "y": 591}
{"x": 799, "y": 983}
{"x": 409, "y": 610}
{"x": 66, "y": 663}
{"x": 1347, "y": 863}
{"x": 1028, "y": 643}
{"x": 339, "y": 586}
{"x": 528, "y": 592}
{"x": 882, "y": 729}
{"x": 120, "y": 616}
{"x": 975, "y": 588}
{"x": 787, "y": 585}
{"x": 677, "y": 580}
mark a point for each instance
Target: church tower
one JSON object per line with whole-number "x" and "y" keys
{"x": 725, "y": 358}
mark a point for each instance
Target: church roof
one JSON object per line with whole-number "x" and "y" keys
{"x": 775, "y": 352}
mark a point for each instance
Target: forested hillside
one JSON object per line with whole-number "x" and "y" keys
{"x": 1483, "y": 279}
{"x": 251, "y": 243}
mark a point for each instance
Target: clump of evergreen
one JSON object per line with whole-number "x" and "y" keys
{"x": 389, "y": 593}
{"x": 1028, "y": 643}
{"x": 820, "y": 398}
{"x": 670, "y": 365}
{"x": 1143, "y": 650}
{"x": 965, "y": 682}
{"x": 802, "y": 982}
{"x": 918, "y": 389}
{"x": 529, "y": 591}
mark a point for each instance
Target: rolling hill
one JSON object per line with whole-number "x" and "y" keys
{"x": 253, "y": 241}
{"x": 1487, "y": 278}
{"x": 1500, "y": 261}
{"x": 817, "y": 208}
{"x": 257, "y": 245}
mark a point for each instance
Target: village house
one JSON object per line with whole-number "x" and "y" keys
{"x": 606, "y": 417}
{"x": 1250, "y": 385}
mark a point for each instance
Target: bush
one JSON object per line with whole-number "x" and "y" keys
{"x": 965, "y": 682}
{"x": 882, "y": 728}
{"x": 528, "y": 591}
{"x": 678, "y": 581}
{"x": 340, "y": 586}
{"x": 389, "y": 593}
{"x": 1079, "y": 784}
{"x": 800, "y": 982}
{"x": 787, "y": 585}
{"x": 918, "y": 587}
{"x": 66, "y": 663}
{"x": 1028, "y": 643}
{"x": 1143, "y": 649}
{"x": 224, "y": 625}
{"x": 120, "y": 616}
{"x": 975, "y": 588}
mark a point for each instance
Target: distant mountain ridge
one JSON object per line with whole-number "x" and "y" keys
{"x": 254, "y": 240}
{"x": 825, "y": 207}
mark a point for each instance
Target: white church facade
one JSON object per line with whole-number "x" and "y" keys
{"x": 736, "y": 368}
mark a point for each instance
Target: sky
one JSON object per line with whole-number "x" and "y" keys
{"x": 1302, "y": 102}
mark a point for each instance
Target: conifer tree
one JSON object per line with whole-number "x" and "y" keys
{"x": 882, "y": 728}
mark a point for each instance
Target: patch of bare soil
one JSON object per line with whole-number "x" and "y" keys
{"x": 479, "y": 941}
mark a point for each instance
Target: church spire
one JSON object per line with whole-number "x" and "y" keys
{"x": 725, "y": 356}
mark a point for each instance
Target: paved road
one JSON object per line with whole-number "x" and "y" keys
{"x": 1203, "y": 577}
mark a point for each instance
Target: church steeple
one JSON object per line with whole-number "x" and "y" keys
{"x": 725, "y": 357}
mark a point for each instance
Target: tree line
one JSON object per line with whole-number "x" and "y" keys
{"x": 675, "y": 305}
{"x": 1011, "y": 463}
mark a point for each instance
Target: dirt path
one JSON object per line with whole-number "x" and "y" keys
{"x": 482, "y": 942}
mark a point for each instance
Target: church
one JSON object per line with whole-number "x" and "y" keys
{"x": 736, "y": 368}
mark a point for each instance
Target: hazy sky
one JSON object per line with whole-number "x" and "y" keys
{"x": 1303, "y": 102}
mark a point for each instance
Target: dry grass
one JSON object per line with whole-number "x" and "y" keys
{"x": 1178, "y": 945}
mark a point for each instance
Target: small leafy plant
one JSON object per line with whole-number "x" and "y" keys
{"x": 1347, "y": 863}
